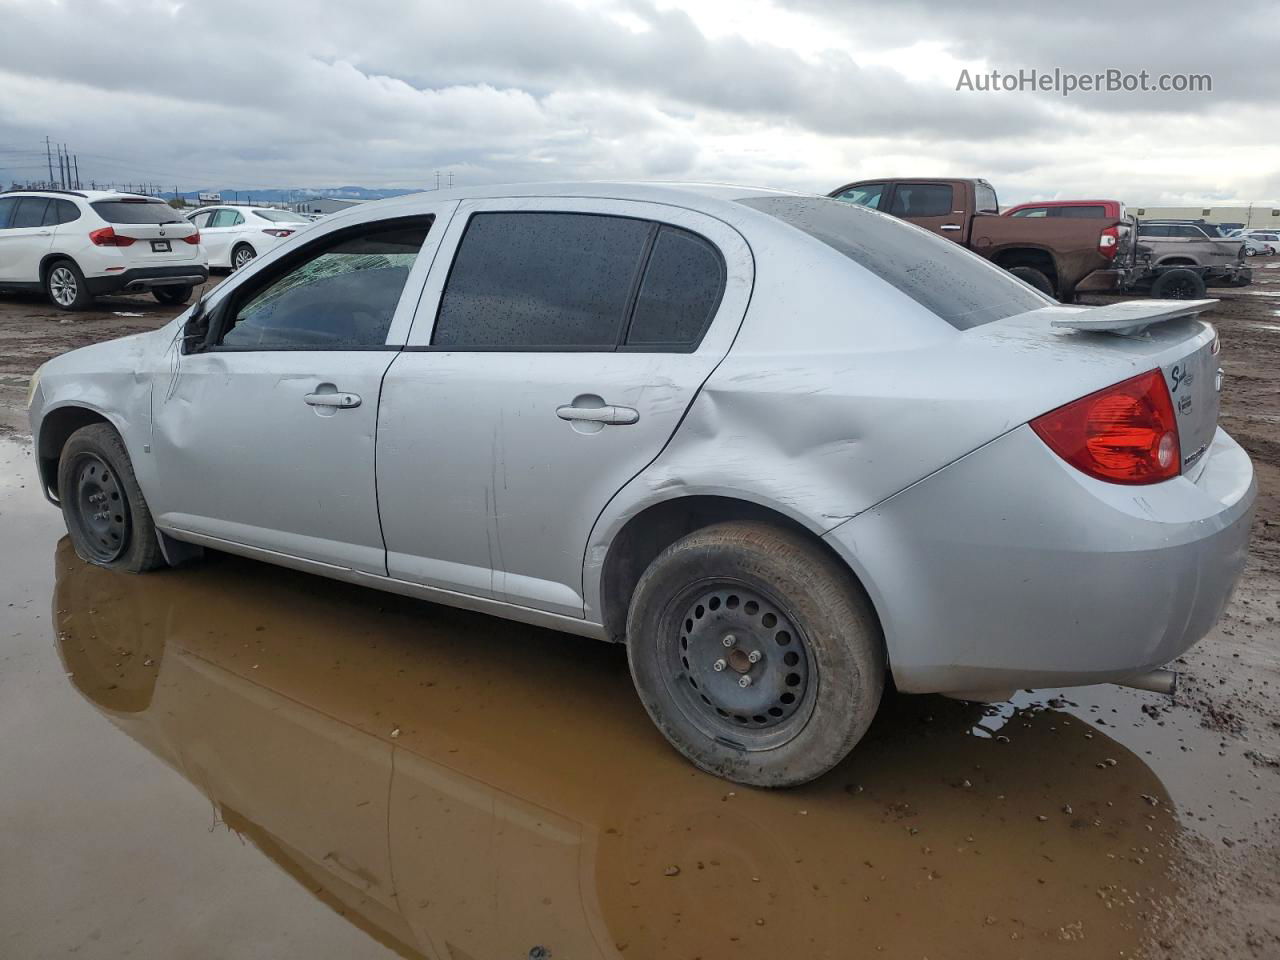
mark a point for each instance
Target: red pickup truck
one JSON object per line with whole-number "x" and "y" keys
{"x": 1061, "y": 256}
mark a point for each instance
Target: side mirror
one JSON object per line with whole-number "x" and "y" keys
{"x": 196, "y": 329}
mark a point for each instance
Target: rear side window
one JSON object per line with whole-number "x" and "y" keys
{"x": 524, "y": 281}
{"x": 30, "y": 212}
{"x": 681, "y": 289}
{"x": 958, "y": 286}
{"x": 136, "y": 211}
{"x": 61, "y": 211}
{"x": 338, "y": 294}
{"x": 1084, "y": 211}
{"x": 921, "y": 200}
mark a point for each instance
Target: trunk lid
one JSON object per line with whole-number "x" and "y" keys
{"x": 159, "y": 231}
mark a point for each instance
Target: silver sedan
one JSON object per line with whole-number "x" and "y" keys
{"x": 782, "y": 447}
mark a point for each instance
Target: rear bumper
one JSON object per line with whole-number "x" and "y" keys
{"x": 1101, "y": 281}
{"x": 144, "y": 278}
{"x": 1011, "y": 569}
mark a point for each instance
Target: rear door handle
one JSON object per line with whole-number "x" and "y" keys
{"x": 949, "y": 226}
{"x": 342, "y": 400}
{"x": 606, "y": 414}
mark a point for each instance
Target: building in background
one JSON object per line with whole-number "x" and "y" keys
{"x": 325, "y": 205}
{"x": 1256, "y": 216}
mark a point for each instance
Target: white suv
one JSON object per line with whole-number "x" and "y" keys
{"x": 76, "y": 245}
{"x": 234, "y": 235}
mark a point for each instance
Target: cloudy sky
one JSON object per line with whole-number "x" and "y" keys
{"x": 805, "y": 94}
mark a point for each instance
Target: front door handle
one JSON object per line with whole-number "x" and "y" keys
{"x": 605, "y": 414}
{"x": 344, "y": 401}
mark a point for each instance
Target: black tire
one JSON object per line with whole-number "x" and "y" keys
{"x": 65, "y": 286}
{"x": 1034, "y": 278}
{"x": 1178, "y": 285}
{"x": 106, "y": 515}
{"x": 724, "y": 593}
{"x": 172, "y": 295}
{"x": 241, "y": 255}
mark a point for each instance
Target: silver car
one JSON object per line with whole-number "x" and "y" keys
{"x": 782, "y": 447}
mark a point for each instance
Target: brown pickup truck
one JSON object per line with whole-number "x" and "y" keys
{"x": 1060, "y": 256}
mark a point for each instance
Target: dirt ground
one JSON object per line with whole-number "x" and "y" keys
{"x": 1093, "y": 822}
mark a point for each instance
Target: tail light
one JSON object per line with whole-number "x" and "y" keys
{"x": 1109, "y": 242}
{"x": 106, "y": 237}
{"x": 193, "y": 239}
{"x": 1126, "y": 433}
{"x": 279, "y": 233}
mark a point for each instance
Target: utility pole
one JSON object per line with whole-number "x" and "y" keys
{"x": 437, "y": 179}
{"x": 450, "y": 179}
{"x": 49, "y": 157}
{"x": 76, "y": 159}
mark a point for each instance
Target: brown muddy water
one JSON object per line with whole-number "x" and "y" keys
{"x": 234, "y": 760}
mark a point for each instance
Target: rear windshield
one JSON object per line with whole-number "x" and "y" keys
{"x": 136, "y": 211}
{"x": 281, "y": 216}
{"x": 940, "y": 275}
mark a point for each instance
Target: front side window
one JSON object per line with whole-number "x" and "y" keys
{"x": 866, "y": 195}
{"x": 30, "y": 212}
{"x": 921, "y": 200}
{"x": 681, "y": 289}
{"x": 136, "y": 211}
{"x": 8, "y": 206}
{"x": 552, "y": 281}
{"x": 338, "y": 294}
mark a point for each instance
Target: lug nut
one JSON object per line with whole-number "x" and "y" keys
{"x": 754, "y": 656}
{"x": 718, "y": 666}
{"x": 729, "y": 640}
{"x": 744, "y": 681}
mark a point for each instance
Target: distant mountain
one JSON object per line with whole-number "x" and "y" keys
{"x": 287, "y": 195}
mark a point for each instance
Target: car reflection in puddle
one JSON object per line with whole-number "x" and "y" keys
{"x": 463, "y": 787}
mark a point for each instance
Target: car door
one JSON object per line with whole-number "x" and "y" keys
{"x": 264, "y": 435}
{"x": 218, "y": 235}
{"x": 929, "y": 205}
{"x": 25, "y": 237}
{"x": 557, "y": 346}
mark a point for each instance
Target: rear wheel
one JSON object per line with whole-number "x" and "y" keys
{"x": 1035, "y": 278}
{"x": 65, "y": 286}
{"x": 106, "y": 515}
{"x": 172, "y": 295}
{"x": 1178, "y": 285}
{"x": 756, "y": 654}
{"x": 241, "y": 255}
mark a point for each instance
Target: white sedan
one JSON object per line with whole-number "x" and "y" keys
{"x": 234, "y": 235}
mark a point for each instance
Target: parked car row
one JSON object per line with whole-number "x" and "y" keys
{"x": 1065, "y": 247}
{"x": 76, "y": 245}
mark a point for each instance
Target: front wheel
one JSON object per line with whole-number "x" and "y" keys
{"x": 241, "y": 255}
{"x": 756, "y": 653}
{"x": 174, "y": 296}
{"x": 65, "y": 286}
{"x": 109, "y": 521}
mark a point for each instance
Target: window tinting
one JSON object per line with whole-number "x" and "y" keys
{"x": 64, "y": 211}
{"x": 921, "y": 200}
{"x": 8, "y": 205}
{"x": 958, "y": 286}
{"x": 984, "y": 199}
{"x": 136, "y": 211}
{"x": 1152, "y": 230}
{"x": 342, "y": 295}
{"x": 1034, "y": 212}
{"x": 679, "y": 293}
{"x": 30, "y": 212}
{"x": 1083, "y": 212}
{"x": 867, "y": 195}
{"x": 550, "y": 280}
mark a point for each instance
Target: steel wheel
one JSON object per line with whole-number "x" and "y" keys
{"x": 100, "y": 508}
{"x": 241, "y": 256}
{"x": 737, "y": 664}
{"x": 63, "y": 286}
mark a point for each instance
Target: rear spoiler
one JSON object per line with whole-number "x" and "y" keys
{"x": 1126, "y": 317}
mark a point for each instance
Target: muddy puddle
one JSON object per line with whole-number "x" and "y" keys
{"x": 238, "y": 760}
